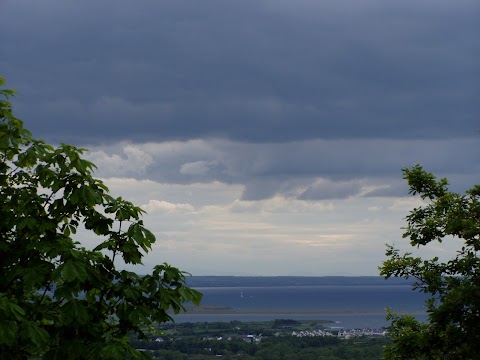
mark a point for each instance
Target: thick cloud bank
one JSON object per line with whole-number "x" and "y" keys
{"x": 251, "y": 71}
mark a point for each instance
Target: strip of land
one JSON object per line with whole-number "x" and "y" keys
{"x": 225, "y": 310}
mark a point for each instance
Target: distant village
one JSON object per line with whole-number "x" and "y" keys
{"x": 343, "y": 334}
{"x": 346, "y": 334}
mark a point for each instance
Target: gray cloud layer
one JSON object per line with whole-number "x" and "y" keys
{"x": 255, "y": 71}
{"x": 308, "y": 170}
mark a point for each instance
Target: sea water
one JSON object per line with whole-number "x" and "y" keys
{"x": 344, "y": 306}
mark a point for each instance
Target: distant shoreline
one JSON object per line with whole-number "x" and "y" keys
{"x": 283, "y": 281}
{"x": 224, "y": 310}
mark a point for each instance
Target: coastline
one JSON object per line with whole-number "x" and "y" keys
{"x": 225, "y": 310}
{"x": 336, "y": 318}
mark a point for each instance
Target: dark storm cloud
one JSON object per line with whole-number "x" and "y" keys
{"x": 256, "y": 71}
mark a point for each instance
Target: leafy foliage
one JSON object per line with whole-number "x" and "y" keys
{"x": 58, "y": 299}
{"x": 453, "y": 331}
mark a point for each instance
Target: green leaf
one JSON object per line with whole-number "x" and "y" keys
{"x": 8, "y": 332}
{"x": 35, "y": 334}
{"x": 26, "y": 222}
{"x": 89, "y": 196}
{"x": 190, "y": 295}
{"x": 9, "y": 309}
{"x": 122, "y": 214}
{"x": 73, "y": 271}
{"x": 113, "y": 352}
{"x": 75, "y": 312}
{"x": 83, "y": 166}
{"x": 143, "y": 237}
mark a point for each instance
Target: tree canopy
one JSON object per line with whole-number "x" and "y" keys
{"x": 453, "y": 286}
{"x": 58, "y": 299}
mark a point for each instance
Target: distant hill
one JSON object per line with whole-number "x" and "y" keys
{"x": 263, "y": 281}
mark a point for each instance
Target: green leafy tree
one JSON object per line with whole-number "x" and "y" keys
{"x": 59, "y": 300}
{"x": 453, "y": 286}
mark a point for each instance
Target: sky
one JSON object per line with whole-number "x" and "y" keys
{"x": 262, "y": 137}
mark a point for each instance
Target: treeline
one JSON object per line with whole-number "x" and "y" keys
{"x": 273, "y": 348}
{"x": 265, "y": 281}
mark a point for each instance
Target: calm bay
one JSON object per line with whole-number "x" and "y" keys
{"x": 346, "y": 306}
